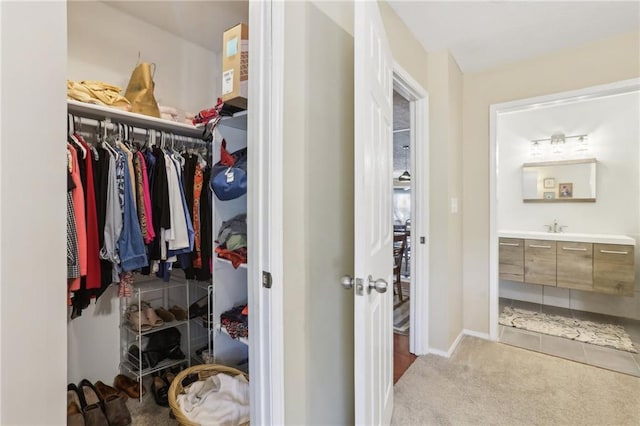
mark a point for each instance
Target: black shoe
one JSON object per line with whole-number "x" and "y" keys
{"x": 160, "y": 391}
{"x": 199, "y": 307}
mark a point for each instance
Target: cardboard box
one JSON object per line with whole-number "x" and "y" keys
{"x": 235, "y": 66}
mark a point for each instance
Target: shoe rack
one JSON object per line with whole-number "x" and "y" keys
{"x": 157, "y": 293}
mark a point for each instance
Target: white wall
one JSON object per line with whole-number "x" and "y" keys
{"x": 33, "y": 213}
{"x": 104, "y": 44}
{"x": 614, "y": 135}
{"x": 604, "y": 61}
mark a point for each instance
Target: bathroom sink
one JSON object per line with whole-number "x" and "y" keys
{"x": 569, "y": 236}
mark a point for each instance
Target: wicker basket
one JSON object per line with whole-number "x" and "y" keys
{"x": 204, "y": 371}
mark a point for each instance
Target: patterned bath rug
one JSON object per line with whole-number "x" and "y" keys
{"x": 609, "y": 335}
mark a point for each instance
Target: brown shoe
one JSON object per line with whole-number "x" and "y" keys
{"x": 93, "y": 414}
{"x": 165, "y": 315}
{"x": 128, "y": 386}
{"x": 179, "y": 313}
{"x": 106, "y": 391}
{"x": 74, "y": 413}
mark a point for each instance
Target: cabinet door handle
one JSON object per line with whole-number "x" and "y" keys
{"x": 613, "y": 252}
{"x": 537, "y": 246}
{"x": 574, "y": 249}
{"x": 510, "y": 244}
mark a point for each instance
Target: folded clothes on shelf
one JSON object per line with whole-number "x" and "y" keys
{"x": 236, "y": 322}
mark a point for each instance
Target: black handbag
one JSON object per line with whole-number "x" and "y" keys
{"x": 229, "y": 175}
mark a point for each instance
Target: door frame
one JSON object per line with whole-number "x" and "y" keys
{"x": 265, "y": 195}
{"x": 418, "y": 98}
{"x": 592, "y": 92}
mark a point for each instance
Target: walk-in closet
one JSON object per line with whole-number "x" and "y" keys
{"x": 178, "y": 299}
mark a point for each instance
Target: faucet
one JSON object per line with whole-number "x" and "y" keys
{"x": 555, "y": 228}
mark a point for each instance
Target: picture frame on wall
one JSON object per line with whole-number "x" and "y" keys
{"x": 550, "y": 195}
{"x": 565, "y": 190}
{"x": 549, "y": 183}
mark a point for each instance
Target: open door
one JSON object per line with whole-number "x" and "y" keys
{"x": 373, "y": 328}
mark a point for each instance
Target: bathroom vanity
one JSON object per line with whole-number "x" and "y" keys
{"x": 588, "y": 262}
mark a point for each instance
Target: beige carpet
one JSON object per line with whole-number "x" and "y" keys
{"x": 488, "y": 383}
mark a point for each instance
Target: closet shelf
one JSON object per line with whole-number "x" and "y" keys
{"x": 99, "y": 112}
{"x": 228, "y": 262}
{"x": 244, "y": 340}
{"x": 161, "y": 366}
{"x": 237, "y": 121}
{"x": 154, "y": 329}
{"x": 152, "y": 285}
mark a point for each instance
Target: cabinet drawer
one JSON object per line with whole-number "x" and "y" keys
{"x": 511, "y": 266}
{"x": 575, "y": 265}
{"x": 540, "y": 262}
{"x": 613, "y": 269}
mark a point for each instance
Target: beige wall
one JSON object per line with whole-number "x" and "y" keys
{"x": 605, "y": 61}
{"x": 295, "y": 274}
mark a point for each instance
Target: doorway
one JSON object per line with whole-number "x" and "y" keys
{"x": 582, "y": 315}
{"x": 403, "y": 358}
{"x": 410, "y": 220}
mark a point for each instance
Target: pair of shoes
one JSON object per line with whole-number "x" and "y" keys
{"x": 179, "y": 313}
{"x": 96, "y": 409}
{"x": 166, "y": 316}
{"x": 128, "y": 386}
{"x": 114, "y": 403}
{"x": 144, "y": 318}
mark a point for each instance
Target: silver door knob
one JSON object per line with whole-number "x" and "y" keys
{"x": 346, "y": 282}
{"x": 378, "y": 285}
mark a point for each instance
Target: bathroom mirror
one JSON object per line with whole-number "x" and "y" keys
{"x": 559, "y": 181}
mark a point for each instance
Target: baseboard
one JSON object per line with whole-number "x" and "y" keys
{"x": 477, "y": 334}
{"x": 452, "y": 348}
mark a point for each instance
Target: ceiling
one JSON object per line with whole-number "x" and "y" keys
{"x": 486, "y": 34}
{"x": 200, "y": 22}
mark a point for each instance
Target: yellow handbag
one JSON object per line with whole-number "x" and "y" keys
{"x": 140, "y": 90}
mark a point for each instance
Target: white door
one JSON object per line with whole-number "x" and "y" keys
{"x": 373, "y": 354}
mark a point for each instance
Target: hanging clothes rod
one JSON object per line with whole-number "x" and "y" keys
{"x": 98, "y": 112}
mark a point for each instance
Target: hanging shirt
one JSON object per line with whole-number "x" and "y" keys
{"x": 77, "y": 194}
{"x": 93, "y": 242}
{"x": 113, "y": 221}
{"x": 131, "y": 248}
{"x": 176, "y": 235}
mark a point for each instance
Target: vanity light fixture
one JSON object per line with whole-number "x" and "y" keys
{"x": 582, "y": 144}
{"x": 558, "y": 142}
{"x": 405, "y": 176}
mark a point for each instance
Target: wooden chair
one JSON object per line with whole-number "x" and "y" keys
{"x": 399, "y": 243}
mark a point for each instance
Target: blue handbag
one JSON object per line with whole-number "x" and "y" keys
{"x": 229, "y": 175}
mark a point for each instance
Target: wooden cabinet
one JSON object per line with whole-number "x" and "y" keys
{"x": 575, "y": 265}
{"x": 601, "y": 268}
{"x": 511, "y": 259}
{"x": 540, "y": 262}
{"x": 613, "y": 269}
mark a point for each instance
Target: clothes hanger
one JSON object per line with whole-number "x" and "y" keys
{"x": 71, "y": 137}
{"x": 105, "y": 144}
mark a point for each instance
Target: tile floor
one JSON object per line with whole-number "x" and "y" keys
{"x": 599, "y": 356}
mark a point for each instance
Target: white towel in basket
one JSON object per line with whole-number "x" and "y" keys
{"x": 219, "y": 400}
